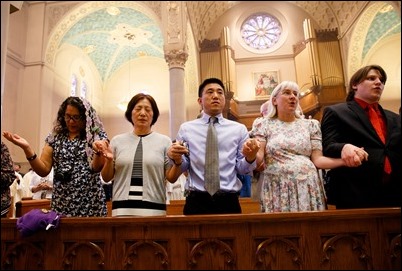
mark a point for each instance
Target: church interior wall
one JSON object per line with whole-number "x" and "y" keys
{"x": 34, "y": 88}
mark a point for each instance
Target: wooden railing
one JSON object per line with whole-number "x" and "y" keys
{"x": 26, "y": 205}
{"x": 245, "y": 111}
{"x": 174, "y": 208}
{"x": 357, "y": 239}
{"x": 313, "y": 102}
{"x": 248, "y": 206}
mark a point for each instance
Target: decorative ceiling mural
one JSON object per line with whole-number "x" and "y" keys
{"x": 115, "y": 32}
{"x": 112, "y": 36}
{"x": 386, "y": 23}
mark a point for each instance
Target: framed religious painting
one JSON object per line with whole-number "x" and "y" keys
{"x": 264, "y": 83}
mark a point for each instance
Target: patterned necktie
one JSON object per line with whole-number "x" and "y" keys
{"x": 375, "y": 121}
{"x": 212, "y": 179}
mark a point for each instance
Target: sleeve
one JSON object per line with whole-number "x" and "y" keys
{"x": 315, "y": 134}
{"x": 242, "y": 166}
{"x": 51, "y": 139}
{"x": 331, "y": 130}
{"x": 34, "y": 181}
{"x": 258, "y": 129}
{"x": 167, "y": 163}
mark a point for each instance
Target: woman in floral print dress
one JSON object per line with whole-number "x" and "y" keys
{"x": 77, "y": 187}
{"x": 291, "y": 150}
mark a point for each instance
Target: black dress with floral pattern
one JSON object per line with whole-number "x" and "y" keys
{"x": 7, "y": 178}
{"x": 77, "y": 190}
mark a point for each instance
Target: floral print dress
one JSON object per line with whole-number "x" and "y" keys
{"x": 77, "y": 190}
{"x": 290, "y": 180}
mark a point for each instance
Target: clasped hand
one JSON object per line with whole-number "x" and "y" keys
{"x": 353, "y": 156}
{"x": 250, "y": 148}
{"x": 176, "y": 150}
{"x": 44, "y": 186}
{"x": 102, "y": 148}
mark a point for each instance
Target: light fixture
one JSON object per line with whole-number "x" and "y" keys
{"x": 113, "y": 11}
{"x": 122, "y": 105}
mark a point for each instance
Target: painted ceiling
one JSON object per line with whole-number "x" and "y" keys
{"x": 113, "y": 34}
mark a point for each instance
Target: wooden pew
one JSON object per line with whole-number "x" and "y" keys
{"x": 356, "y": 239}
{"x": 175, "y": 207}
{"x": 109, "y": 207}
{"x": 248, "y": 206}
{"x": 26, "y": 205}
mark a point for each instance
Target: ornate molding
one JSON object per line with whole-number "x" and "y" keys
{"x": 299, "y": 47}
{"x": 174, "y": 33}
{"x": 327, "y": 35}
{"x": 210, "y": 45}
{"x": 136, "y": 251}
{"x": 205, "y": 252}
{"x": 155, "y": 6}
{"x": 57, "y": 12}
{"x": 176, "y": 58}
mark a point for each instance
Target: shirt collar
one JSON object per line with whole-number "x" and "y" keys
{"x": 205, "y": 118}
{"x": 364, "y": 104}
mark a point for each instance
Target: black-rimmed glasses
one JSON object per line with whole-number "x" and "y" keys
{"x": 72, "y": 117}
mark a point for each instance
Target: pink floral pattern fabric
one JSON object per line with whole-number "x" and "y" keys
{"x": 290, "y": 180}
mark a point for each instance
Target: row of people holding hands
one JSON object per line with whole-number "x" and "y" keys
{"x": 284, "y": 147}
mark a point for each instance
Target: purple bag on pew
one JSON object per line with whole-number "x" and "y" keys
{"x": 37, "y": 219}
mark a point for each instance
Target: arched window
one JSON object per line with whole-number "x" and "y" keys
{"x": 73, "y": 89}
{"x": 83, "y": 89}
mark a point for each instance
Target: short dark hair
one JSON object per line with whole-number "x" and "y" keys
{"x": 360, "y": 75}
{"x": 138, "y": 97}
{"x": 209, "y": 81}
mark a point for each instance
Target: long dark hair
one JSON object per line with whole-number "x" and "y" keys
{"x": 60, "y": 124}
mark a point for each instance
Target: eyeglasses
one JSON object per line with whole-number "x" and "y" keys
{"x": 75, "y": 118}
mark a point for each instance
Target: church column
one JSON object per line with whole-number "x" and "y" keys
{"x": 5, "y": 11}
{"x": 177, "y": 113}
{"x": 174, "y": 21}
{"x": 7, "y": 7}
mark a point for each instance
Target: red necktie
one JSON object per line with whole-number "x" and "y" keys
{"x": 376, "y": 122}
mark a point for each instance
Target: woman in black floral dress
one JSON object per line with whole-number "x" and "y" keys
{"x": 7, "y": 178}
{"x": 77, "y": 187}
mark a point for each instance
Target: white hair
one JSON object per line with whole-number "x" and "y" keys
{"x": 271, "y": 112}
